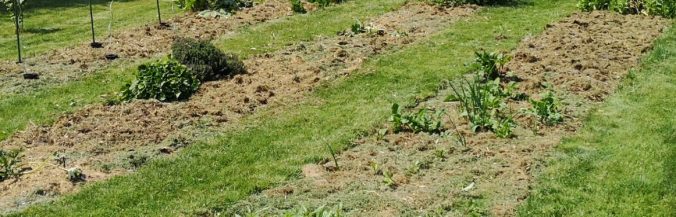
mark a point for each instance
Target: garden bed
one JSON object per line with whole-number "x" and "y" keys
{"x": 583, "y": 59}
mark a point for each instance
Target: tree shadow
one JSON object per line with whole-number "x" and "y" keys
{"x": 512, "y": 3}
{"x": 42, "y": 31}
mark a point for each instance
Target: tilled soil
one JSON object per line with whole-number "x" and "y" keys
{"x": 583, "y": 58}
{"x": 110, "y": 140}
{"x": 152, "y": 40}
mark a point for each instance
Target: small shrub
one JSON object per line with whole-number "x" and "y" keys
{"x": 10, "y": 163}
{"x": 547, "y": 109}
{"x": 666, "y": 8}
{"x": 206, "y": 61}
{"x": 164, "y": 80}
{"x": 423, "y": 121}
{"x": 200, "y": 5}
{"x": 297, "y": 6}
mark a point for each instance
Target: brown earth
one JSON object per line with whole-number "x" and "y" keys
{"x": 583, "y": 58}
{"x": 151, "y": 40}
{"x": 110, "y": 140}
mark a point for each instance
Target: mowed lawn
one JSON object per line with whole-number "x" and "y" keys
{"x": 271, "y": 146}
{"x": 51, "y": 24}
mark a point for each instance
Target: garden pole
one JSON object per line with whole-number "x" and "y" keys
{"x": 16, "y": 22}
{"x": 159, "y": 16}
{"x": 91, "y": 17}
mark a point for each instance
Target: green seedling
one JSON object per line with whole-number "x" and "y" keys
{"x": 546, "y": 109}
{"x": 388, "y": 179}
{"x": 424, "y": 120}
{"x": 376, "y": 168}
{"x": 10, "y": 163}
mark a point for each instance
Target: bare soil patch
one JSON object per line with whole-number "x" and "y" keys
{"x": 110, "y": 140}
{"x": 583, "y": 58}
{"x": 151, "y": 40}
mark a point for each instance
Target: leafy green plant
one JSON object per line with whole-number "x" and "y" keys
{"x": 376, "y": 168}
{"x": 502, "y": 127}
{"x": 417, "y": 167}
{"x": 166, "y": 80}
{"x": 666, "y": 8}
{"x": 206, "y": 61}
{"x": 388, "y": 179}
{"x": 358, "y": 27}
{"x": 75, "y": 174}
{"x": 424, "y": 120}
{"x": 10, "y": 163}
{"x": 547, "y": 109}
{"x": 490, "y": 64}
{"x": 297, "y": 6}
{"x": 483, "y": 104}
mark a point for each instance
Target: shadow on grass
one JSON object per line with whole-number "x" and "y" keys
{"x": 42, "y": 31}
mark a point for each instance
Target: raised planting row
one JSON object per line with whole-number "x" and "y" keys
{"x": 472, "y": 150}
{"x": 108, "y": 140}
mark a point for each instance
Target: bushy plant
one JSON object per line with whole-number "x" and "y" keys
{"x": 200, "y": 5}
{"x": 205, "y": 60}
{"x": 666, "y": 8}
{"x": 547, "y": 109}
{"x": 484, "y": 106}
{"x": 490, "y": 64}
{"x": 10, "y": 161}
{"x": 297, "y": 6}
{"x": 166, "y": 80}
{"x": 423, "y": 121}
{"x": 358, "y": 27}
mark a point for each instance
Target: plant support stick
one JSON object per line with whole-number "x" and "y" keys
{"x": 159, "y": 16}
{"x": 16, "y": 22}
{"x": 94, "y": 44}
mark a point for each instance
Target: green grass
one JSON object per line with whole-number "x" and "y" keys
{"x": 624, "y": 161}
{"x": 50, "y": 24}
{"x": 272, "y": 145}
{"x": 44, "y": 105}
{"x": 277, "y": 35}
